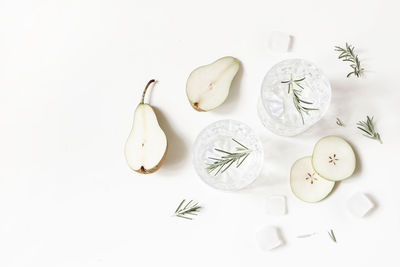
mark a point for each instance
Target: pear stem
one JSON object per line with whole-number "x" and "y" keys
{"x": 145, "y": 90}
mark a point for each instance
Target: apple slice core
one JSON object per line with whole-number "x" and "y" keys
{"x": 333, "y": 158}
{"x": 306, "y": 184}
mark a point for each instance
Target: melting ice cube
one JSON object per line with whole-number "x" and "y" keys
{"x": 268, "y": 238}
{"x": 276, "y": 107}
{"x": 359, "y": 204}
{"x": 276, "y": 205}
{"x": 279, "y": 41}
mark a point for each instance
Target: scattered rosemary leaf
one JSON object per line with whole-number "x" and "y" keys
{"x": 223, "y": 163}
{"x": 347, "y": 54}
{"x": 305, "y": 235}
{"x": 368, "y": 129}
{"x": 189, "y": 209}
{"x": 339, "y": 122}
{"x": 332, "y": 235}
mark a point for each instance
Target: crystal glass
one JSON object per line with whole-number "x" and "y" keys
{"x": 219, "y": 135}
{"x": 277, "y": 107}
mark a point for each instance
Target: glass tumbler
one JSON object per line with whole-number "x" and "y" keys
{"x": 295, "y": 94}
{"x": 219, "y": 142}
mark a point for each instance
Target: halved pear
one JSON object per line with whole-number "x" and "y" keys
{"x": 333, "y": 158}
{"x": 208, "y": 86}
{"x": 147, "y": 144}
{"x": 306, "y": 184}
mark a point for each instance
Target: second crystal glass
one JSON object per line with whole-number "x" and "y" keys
{"x": 295, "y": 94}
{"x": 228, "y": 155}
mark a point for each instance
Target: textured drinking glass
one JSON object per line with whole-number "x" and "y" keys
{"x": 219, "y": 135}
{"x": 276, "y": 106}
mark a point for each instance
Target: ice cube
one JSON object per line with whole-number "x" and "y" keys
{"x": 276, "y": 205}
{"x": 268, "y": 238}
{"x": 276, "y": 107}
{"x": 359, "y": 204}
{"x": 279, "y": 41}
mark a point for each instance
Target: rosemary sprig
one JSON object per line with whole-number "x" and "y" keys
{"x": 339, "y": 122}
{"x": 221, "y": 164}
{"x": 190, "y": 208}
{"x": 368, "y": 129}
{"x": 347, "y": 54}
{"x": 297, "y": 101}
{"x": 332, "y": 235}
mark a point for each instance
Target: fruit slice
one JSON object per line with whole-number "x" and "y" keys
{"x": 333, "y": 158}
{"x": 147, "y": 144}
{"x": 306, "y": 184}
{"x": 208, "y": 86}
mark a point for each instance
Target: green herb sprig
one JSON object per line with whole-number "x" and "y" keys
{"x": 332, "y": 235}
{"x": 298, "y": 102}
{"x": 368, "y": 129}
{"x": 190, "y": 208}
{"x": 347, "y": 54}
{"x": 221, "y": 164}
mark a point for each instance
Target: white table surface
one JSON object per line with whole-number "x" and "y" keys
{"x": 71, "y": 75}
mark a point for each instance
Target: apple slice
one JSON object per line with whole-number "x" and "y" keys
{"x": 333, "y": 158}
{"x": 208, "y": 86}
{"x": 306, "y": 184}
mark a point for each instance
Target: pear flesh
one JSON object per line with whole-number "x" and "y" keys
{"x": 147, "y": 143}
{"x": 306, "y": 184}
{"x": 208, "y": 86}
{"x": 334, "y": 158}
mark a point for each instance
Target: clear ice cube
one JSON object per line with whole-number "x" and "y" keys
{"x": 359, "y": 204}
{"x": 276, "y": 205}
{"x": 279, "y": 42}
{"x": 268, "y": 238}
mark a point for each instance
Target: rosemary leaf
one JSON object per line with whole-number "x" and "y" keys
{"x": 332, "y": 235}
{"x": 368, "y": 129}
{"x": 237, "y": 142}
{"x": 339, "y": 122}
{"x": 179, "y": 206}
{"x": 188, "y": 209}
{"x": 305, "y": 235}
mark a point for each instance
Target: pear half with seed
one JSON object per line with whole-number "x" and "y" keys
{"x": 333, "y": 158}
{"x": 208, "y": 86}
{"x": 306, "y": 184}
{"x": 147, "y": 144}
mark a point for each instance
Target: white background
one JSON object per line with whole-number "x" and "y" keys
{"x": 71, "y": 75}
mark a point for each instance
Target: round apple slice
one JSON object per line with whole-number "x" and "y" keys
{"x": 333, "y": 158}
{"x": 306, "y": 184}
